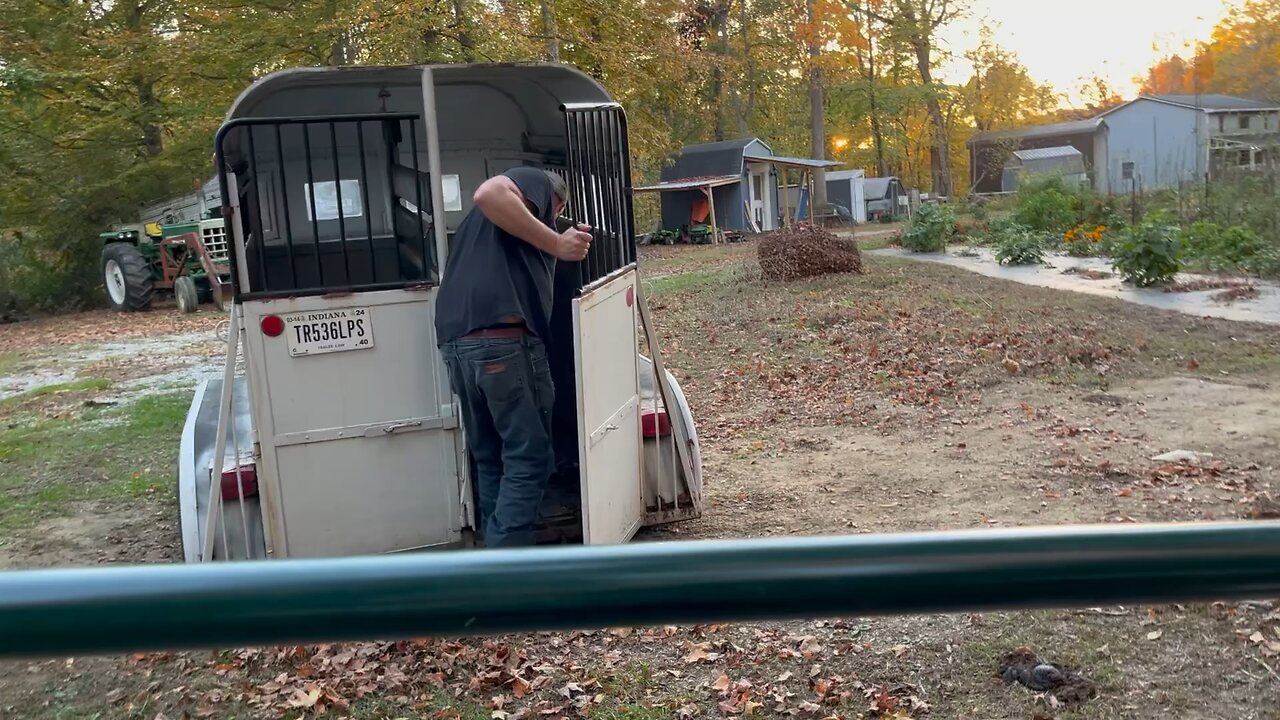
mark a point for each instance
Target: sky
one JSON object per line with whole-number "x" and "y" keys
{"x": 1063, "y": 43}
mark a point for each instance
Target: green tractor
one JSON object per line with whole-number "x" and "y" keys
{"x": 186, "y": 254}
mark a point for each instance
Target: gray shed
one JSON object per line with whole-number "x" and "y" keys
{"x": 847, "y": 189}
{"x": 884, "y": 197}
{"x": 741, "y": 178}
{"x": 1063, "y": 160}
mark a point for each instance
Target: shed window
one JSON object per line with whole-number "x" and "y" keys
{"x": 1244, "y": 122}
{"x": 1222, "y": 123}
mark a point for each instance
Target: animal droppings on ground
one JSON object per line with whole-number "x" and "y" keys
{"x": 1065, "y": 685}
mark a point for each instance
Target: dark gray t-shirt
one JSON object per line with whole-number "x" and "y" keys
{"x": 491, "y": 274}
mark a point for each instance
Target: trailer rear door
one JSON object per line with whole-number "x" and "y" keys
{"x": 609, "y": 432}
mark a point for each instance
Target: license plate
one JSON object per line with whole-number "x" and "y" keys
{"x": 328, "y": 331}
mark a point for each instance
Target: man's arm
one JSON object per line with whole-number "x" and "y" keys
{"x": 501, "y": 201}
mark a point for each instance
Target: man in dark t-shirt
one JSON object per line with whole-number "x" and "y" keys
{"x": 493, "y": 316}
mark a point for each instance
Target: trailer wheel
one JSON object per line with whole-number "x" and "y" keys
{"x": 184, "y": 289}
{"x": 126, "y": 276}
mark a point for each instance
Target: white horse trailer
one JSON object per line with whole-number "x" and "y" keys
{"x": 333, "y": 430}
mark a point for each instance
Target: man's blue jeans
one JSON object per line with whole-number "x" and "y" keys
{"x": 506, "y": 394}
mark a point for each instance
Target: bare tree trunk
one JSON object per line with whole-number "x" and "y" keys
{"x": 877, "y": 132}
{"x": 551, "y": 33}
{"x": 717, "y": 76}
{"x": 144, "y": 89}
{"x": 338, "y": 54}
{"x": 465, "y": 42}
{"x": 817, "y": 117}
{"x": 939, "y": 154}
{"x": 744, "y": 110}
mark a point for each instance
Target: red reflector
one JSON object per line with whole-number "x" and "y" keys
{"x": 272, "y": 325}
{"x": 248, "y": 478}
{"x": 655, "y": 424}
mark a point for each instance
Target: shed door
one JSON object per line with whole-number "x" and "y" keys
{"x": 859, "y": 208}
{"x": 609, "y": 439}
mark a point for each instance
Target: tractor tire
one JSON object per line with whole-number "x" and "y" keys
{"x": 127, "y": 277}
{"x": 184, "y": 290}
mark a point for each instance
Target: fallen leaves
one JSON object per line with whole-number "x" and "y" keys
{"x": 816, "y": 358}
{"x": 699, "y": 653}
{"x": 806, "y": 251}
{"x": 94, "y": 327}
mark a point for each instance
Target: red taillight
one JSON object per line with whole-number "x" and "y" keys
{"x": 655, "y": 423}
{"x": 232, "y": 484}
{"x": 272, "y": 325}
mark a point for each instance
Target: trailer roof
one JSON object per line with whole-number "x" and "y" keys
{"x": 363, "y": 88}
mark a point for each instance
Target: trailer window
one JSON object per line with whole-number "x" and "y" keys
{"x": 326, "y": 200}
{"x": 326, "y": 204}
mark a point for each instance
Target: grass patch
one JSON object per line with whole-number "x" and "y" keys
{"x": 8, "y": 361}
{"x": 84, "y": 385}
{"x": 440, "y": 706}
{"x": 105, "y": 454}
{"x": 691, "y": 281}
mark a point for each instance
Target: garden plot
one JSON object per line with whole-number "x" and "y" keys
{"x": 1094, "y": 276}
{"x": 909, "y": 397}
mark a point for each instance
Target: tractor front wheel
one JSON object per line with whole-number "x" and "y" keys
{"x": 184, "y": 289}
{"x": 127, "y": 277}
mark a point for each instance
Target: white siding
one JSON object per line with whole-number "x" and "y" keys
{"x": 1161, "y": 140}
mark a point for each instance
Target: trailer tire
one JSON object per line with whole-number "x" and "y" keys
{"x": 184, "y": 290}
{"x": 126, "y": 276}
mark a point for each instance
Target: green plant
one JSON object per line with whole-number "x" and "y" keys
{"x": 1150, "y": 252}
{"x": 977, "y": 207}
{"x": 1048, "y": 204}
{"x": 1223, "y": 248}
{"x": 1020, "y": 246}
{"x": 932, "y": 226}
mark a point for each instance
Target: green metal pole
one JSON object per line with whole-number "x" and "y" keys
{"x": 123, "y": 609}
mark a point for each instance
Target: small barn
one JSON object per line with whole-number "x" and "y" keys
{"x": 1062, "y": 160}
{"x": 729, "y": 185}
{"x": 885, "y": 196}
{"x": 989, "y": 152}
{"x": 847, "y": 189}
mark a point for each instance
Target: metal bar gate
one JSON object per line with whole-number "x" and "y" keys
{"x": 124, "y": 609}
{"x": 598, "y": 171}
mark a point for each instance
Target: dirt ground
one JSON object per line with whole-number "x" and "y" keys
{"x": 912, "y": 397}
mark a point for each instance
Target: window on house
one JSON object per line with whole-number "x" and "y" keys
{"x": 1244, "y": 122}
{"x": 1222, "y": 123}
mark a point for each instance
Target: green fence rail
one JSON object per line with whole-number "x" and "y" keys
{"x": 111, "y": 610}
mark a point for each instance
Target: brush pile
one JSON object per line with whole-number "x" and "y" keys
{"x": 806, "y": 251}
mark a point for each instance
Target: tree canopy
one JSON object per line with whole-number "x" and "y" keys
{"x": 107, "y": 104}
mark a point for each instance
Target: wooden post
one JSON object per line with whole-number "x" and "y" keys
{"x": 786, "y": 204}
{"x": 808, "y": 182}
{"x": 711, "y": 205}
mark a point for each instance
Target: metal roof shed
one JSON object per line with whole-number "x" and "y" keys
{"x": 738, "y": 179}
{"x": 1062, "y": 160}
{"x": 847, "y": 189}
{"x": 990, "y": 151}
